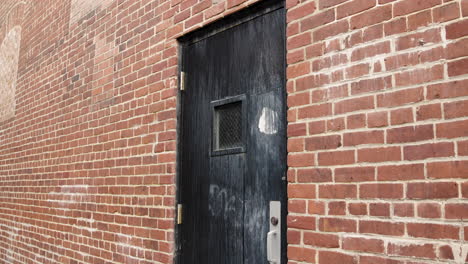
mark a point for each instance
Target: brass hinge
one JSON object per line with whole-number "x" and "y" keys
{"x": 179, "y": 214}
{"x": 182, "y": 81}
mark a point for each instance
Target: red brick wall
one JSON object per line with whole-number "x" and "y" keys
{"x": 378, "y": 131}
{"x": 378, "y": 134}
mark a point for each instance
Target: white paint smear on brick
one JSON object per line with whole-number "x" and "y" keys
{"x": 80, "y": 8}
{"x": 9, "y": 56}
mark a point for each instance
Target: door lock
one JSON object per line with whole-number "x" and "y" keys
{"x": 274, "y": 235}
{"x": 274, "y": 221}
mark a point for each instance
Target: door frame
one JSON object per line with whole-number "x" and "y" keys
{"x": 242, "y": 16}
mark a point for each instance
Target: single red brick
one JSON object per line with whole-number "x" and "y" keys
{"x": 420, "y": 19}
{"x": 371, "y": 17}
{"x": 360, "y": 138}
{"x": 298, "y": 69}
{"x": 295, "y": 145}
{"x": 336, "y": 158}
{"x": 353, "y": 7}
{"x": 431, "y": 55}
{"x": 293, "y": 236}
{"x": 457, "y": 30}
{"x": 295, "y": 56}
{"x": 299, "y": 41}
{"x": 415, "y": 250}
{"x": 323, "y": 142}
{"x": 356, "y": 121}
{"x": 337, "y": 208}
{"x": 357, "y": 70}
{"x": 357, "y": 208}
{"x": 456, "y": 211}
{"x": 418, "y": 39}
{"x": 402, "y": 60}
{"x": 371, "y": 85}
{"x": 382, "y": 228}
{"x": 363, "y": 244}
{"x": 301, "y": 254}
{"x": 410, "y": 6}
{"x": 400, "y": 172}
{"x": 331, "y": 29}
{"x": 301, "y": 222}
{"x": 316, "y": 127}
{"x": 329, "y": 3}
{"x": 395, "y": 26}
{"x": 379, "y": 154}
{"x": 300, "y": 11}
{"x": 292, "y": 29}
{"x": 425, "y": 112}
{"x": 430, "y": 150}
{"x": 463, "y": 148}
{"x": 434, "y": 231}
{"x": 301, "y": 160}
{"x": 401, "y": 116}
{"x": 354, "y": 104}
{"x": 312, "y": 175}
{"x": 448, "y": 90}
{"x": 295, "y": 130}
{"x": 379, "y": 209}
{"x": 301, "y": 190}
{"x": 372, "y": 259}
{"x": 321, "y": 240}
{"x": 429, "y": 210}
{"x": 315, "y": 50}
{"x": 401, "y": 97}
{"x": 448, "y": 169}
{"x": 297, "y": 206}
{"x": 336, "y": 124}
{"x": 233, "y": 3}
{"x": 446, "y": 13}
{"x": 410, "y": 134}
{"x": 458, "y": 67}
{"x": 314, "y": 111}
{"x": 403, "y": 210}
{"x": 445, "y": 252}
{"x": 381, "y": 191}
{"x": 354, "y": 174}
{"x": 337, "y": 225}
{"x": 452, "y": 129}
{"x": 315, "y": 207}
{"x": 464, "y": 7}
{"x": 317, "y": 20}
{"x": 299, "y": 99}
{"x": 337, "y": 191}
{"x": 432, "y": 190}
{"x": 336, "y": 257}
{"x": 311, "y": 81}
{"x": 457, "y": 49}
{"x": 377, "y": 119}
{"x": 374, "y": 32}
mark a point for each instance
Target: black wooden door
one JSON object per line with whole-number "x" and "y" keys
{"x": 232, "y": 152}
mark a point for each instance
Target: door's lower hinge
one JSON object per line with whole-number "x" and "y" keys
{"x": 182, "y": 81}
{"x": 179, "y": 214}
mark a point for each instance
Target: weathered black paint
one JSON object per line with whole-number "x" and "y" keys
{"x": 226, "y": 195}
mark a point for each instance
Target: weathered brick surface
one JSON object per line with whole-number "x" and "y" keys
{"x": 398, "y": 159}
{"x": 377, "y": 129}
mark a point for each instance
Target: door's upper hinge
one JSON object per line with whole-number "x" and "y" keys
{"x": 179, "y": 214}
{"x": 182, "y": 81}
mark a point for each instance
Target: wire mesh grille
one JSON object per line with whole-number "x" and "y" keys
{"x": 228, "y": 126}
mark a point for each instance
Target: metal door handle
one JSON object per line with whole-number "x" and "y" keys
{"x": 271, "y": 236}
{"x": 274, "y": 235}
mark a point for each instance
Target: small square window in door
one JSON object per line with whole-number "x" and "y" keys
{"x": 228, "y": 126}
